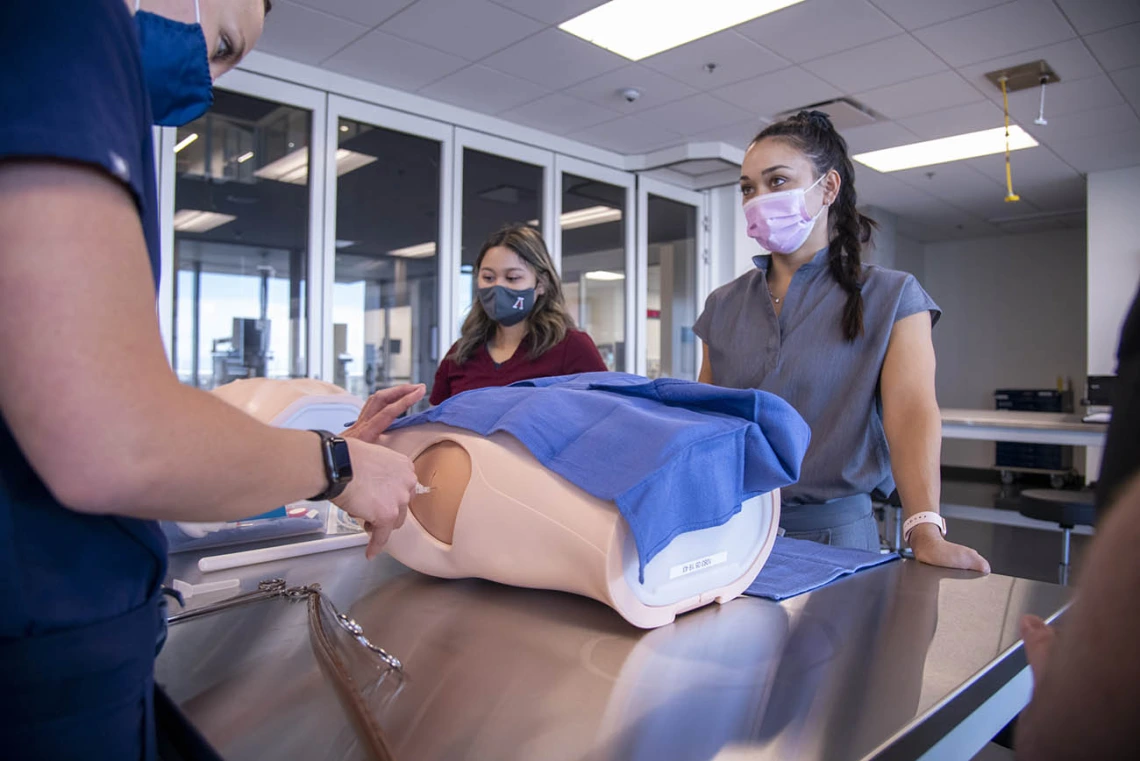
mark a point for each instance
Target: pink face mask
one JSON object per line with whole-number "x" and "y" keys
{"x": 780, "y": 222}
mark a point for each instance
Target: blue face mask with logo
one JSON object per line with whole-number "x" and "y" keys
{"x": 506, "y": 306}
{"x": 177, "y": 67}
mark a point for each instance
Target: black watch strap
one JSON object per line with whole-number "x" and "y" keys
{"x": 338, "y": 465}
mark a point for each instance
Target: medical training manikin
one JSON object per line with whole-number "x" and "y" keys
{"x": 495, "y": 511}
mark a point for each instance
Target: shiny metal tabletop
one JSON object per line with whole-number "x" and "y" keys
{"x": 886, "y": 664}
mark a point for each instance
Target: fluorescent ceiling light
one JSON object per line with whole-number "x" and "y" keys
{"x": 594, "y": 215}
{"x": 344, "y": 243}
{"x": 294, "y": 167}
{"x": 185, "y": 141}
{"x": 604, "y": 275}
{"x": 638, "y": 29}
{"x": 195, "y": 221}
{"x": 420, "y": 251}
{"x": 956, "y": 148}
{"x": 245, "y": 157}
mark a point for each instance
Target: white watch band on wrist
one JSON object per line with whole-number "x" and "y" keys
{"x": 919, "y": 518}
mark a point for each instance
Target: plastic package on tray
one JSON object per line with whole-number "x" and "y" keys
{"x": 297, "y": 519}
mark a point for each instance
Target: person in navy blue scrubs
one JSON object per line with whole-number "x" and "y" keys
{"x": 98, "y": 439}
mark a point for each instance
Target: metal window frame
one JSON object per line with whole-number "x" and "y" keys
{"x": 647, "y": 186}
{"x": 447, "y": 255}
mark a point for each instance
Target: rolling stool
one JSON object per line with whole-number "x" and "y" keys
{"x": 1066, "y": 509}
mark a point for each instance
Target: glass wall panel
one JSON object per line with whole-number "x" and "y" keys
{"x": 593, "y": 262}
{"x": 241, "y": 242}
{"x": 496, "y": 191}
{"x": 385, "y": 309}
{"x": 672, "y": 280}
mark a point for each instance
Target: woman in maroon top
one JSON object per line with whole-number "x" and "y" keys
{"x": 518, "y": 328}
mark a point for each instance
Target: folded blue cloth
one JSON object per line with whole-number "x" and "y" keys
{"x": 797, "y": 566}
{"x": 675, "y": 456}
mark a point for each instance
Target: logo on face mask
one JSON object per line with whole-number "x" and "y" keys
{"x": 506, "y": 306}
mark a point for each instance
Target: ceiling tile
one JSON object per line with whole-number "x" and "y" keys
{"x": 919, "y": 96}
{"x": 1064, "y": 98}
{"x": 551, "y": 11}
{"x": 1115, "y": 151}
{"x": 875, "y": 137}
{"x": 1090, "y": 16}
{"x": 914, "y": 14}
{"x": 955, "y": 182}
{"x": 887, "y": 192}
{"x": 559, "y": 114}
{"x": 380, "y": 57}
{"x": 302, "y": 34}
{"x": 1006, "y": 29}
{"x": 955, "y": 121}
{"x": 555, "y": 59}
{"x": 797, "y": 34}
{"x": 1031, "y": 166}
{"x": 737, "y": 135}
{"x": 779, "y": 91}
{"x": 1128, "y": 80}
{"x": 736, "y": 58}
{"x": 1116, "y": 48}
{"x": 482, "y": 89}
{"x": 1083, "y": 123}
{"x": 698, "y": 113}
{"x": 1057, "y": 195}
{"x": 876, "y": 65}
{"x": 1070, "y": 59}
{"x": 630, "y": 135}
{"x": 472, "y": 29}
{"x": 656, "y": 89}
{"x": 367, "y": 12}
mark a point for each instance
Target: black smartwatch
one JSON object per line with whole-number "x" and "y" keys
{"x": 338, "y": 466}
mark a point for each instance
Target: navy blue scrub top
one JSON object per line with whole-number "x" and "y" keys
{"x": 72, "y": 89}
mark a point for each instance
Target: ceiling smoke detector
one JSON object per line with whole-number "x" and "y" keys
{"x": 845, "y": 113}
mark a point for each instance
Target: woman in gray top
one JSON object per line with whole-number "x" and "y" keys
{"x": 846, "y": 343}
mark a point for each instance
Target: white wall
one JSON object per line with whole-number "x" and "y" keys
{"x": 1013, "y": 316}
{"x": 1113, "y": 261}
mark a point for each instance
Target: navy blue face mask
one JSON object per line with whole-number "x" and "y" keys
{"x": 177, "y": 67}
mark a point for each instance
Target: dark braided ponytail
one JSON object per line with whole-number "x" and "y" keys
{"x": 812, "y": 133}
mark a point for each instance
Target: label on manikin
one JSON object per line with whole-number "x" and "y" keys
{"x": 699, "y": 564}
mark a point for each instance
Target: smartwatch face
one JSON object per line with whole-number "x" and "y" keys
{"x": 342, "y": 465}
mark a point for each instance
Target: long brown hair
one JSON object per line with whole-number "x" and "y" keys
{"x": 813, "y": 134}
{"x": 548, "y": 322}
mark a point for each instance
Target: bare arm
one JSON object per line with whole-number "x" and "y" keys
{"x": 86, "y": 390}
{"x": 913, "y": 425}
{"x": 706, "y": 375}
{"x": 1087, "y": 679}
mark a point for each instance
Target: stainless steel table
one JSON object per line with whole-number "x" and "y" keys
{"x": 1027, "y": 427}
{"x": 901, "y": 662}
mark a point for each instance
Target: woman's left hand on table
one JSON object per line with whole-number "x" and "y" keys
{"x": 930, "y": 548}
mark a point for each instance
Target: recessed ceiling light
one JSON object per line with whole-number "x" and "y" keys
{"x": 638, "y": 29}
{"x": 344, "y": 128}
{"x": 945, "y": 149}
{"x": 185, "y": 141}
{"x": 604, "y": 275}
{"x": 196, "y": 221}
{"x": 421, "y": 251}
{"x": 294, "y": 167}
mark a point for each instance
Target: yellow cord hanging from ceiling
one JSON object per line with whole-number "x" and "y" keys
{"x": 1009, "y": 194}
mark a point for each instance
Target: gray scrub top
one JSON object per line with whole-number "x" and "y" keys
{"x": 802, "y": 357}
